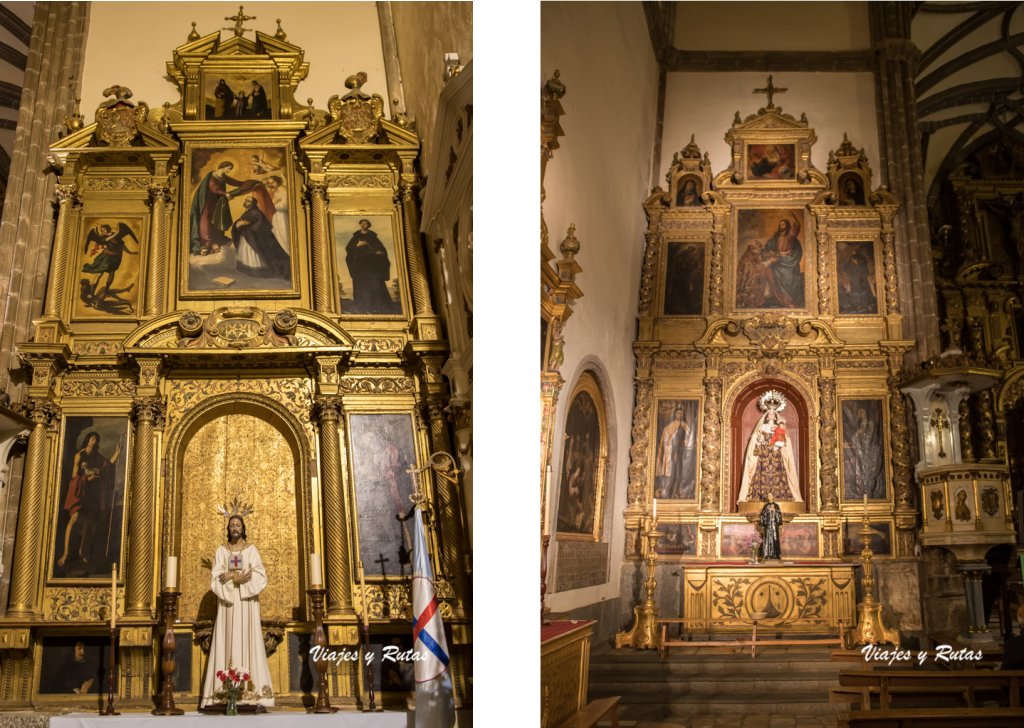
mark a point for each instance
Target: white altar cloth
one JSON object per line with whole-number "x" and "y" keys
{"x": 275, "y": 719}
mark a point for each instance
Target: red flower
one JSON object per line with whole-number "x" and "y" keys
{"x": 245, "y": 677}
{"x": 220, "y": 674}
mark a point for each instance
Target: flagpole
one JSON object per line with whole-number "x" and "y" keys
{"x": 366, "y": 638}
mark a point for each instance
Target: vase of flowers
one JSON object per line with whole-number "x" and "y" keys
{"x": 232, "y": 683}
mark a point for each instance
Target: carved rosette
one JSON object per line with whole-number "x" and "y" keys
{"x": 827, "y": 436}
{"x": 710, "y": 466}
{"x": 241, "y": 327}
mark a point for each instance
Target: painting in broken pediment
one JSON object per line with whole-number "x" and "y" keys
{"x": 689, "y": 177}
{"x": 237, "y": 79}
{"x": 849, "y": 175}
{"x": 770, "y": 148}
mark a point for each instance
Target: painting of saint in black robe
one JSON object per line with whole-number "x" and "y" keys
{"x": 74, "y": 666}
{"x": 684, "y": 279}
{"x": 371, "y": 284}
{"x": 257, "y": 250}
{"x": 855, "y": 263}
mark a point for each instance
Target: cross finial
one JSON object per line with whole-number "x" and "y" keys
{"x": 237, "y": 28}
{"x": 771, "y": 90}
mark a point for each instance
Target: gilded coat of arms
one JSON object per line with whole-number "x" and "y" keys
{"x": 359, "y": 112}
{"x": 938, "y": 506}
{"x": 117, "y": 119}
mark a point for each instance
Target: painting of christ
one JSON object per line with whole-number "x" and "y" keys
{"x": 771, "y": 265}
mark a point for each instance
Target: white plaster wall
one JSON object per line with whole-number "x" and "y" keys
{"x": 130, "y": 43}
{"x": 704, "y": 104}
{"x": 772, "y": 26}
{"x": 598, "y": 179}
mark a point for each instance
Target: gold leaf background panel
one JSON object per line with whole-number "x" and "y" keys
{"x": 245, "y": 456}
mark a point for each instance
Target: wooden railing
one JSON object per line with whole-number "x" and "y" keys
{"x": 831, "y": 624}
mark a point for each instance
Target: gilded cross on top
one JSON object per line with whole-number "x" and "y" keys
{"x": 771, "y": 91}
{"x": 237, "y": 28}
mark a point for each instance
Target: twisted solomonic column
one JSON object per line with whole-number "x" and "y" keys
{"x": 327, "y": 411}
{"x": 139, "y": 574}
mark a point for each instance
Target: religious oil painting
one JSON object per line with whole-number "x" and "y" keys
{"x": 737, "y": 539}
{"x": 771, "y": 161}
{"x": 799, "y": 540}
{"x": 239, "y": 224}
{"x": 880, "y": 543}
{"x": 684, "y": 279}
{"x": 858, "y": 283}
{"x": 90, "y": 506}
{"x": 677, "y": 539}
{"x": 689, "y": 189}
{"x": 367, "y": 265}
{"x": 383, "y": 451}
{"x": 110, "y": 256}
{"x": 851, "y": 190}
{"x": 675, "y": 474}
{"x": 771, "y": 266}
{"x": 73, "y": 665}
{"x": 863, "y": 435}
{"x": 581, "y": 478}
{"x": 234, "y": 95}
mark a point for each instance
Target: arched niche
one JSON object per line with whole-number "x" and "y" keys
{"x": 742, "y": 418}
{"x": 246, "y": 446}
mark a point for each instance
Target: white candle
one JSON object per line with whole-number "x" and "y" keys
{"x": 171, "y": 573}
{"x": 654, "y": 515}
{"x": 113, "y": 596}
{"x": 547, "y": 501}
{"x": 316, "y": 576}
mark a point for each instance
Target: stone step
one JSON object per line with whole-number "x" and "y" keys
{"x": 748, "y": 667}
{"x": 727, "y": 689}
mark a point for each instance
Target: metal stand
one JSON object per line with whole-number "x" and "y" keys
{"x": 368, "y": 663}
{"x": 165, "y": 700}
{"x": 644, "y": 633}
{"x": 545, "y": 540}
{"x": 870, "y": 628}
{"x": 111, "y": 674}
{"x": 316, "y": 601}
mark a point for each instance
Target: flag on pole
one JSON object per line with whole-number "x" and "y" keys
{"x": 435, "y": 707}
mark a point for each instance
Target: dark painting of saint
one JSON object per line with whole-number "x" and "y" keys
{"x": 684, "y": 279}
{"x": 880, "y": 543}
{"x": 74, "y": 666}
{"x": 771, "y": 161}
{"x": 851, "y": 190}
{"x": 91, "y": 509}
{"x": 367, "y": 267}
{"x": 382, "y": 453}
{"x": 688, "y": 194}
{"x": 581, "y": 456}
{"x": 676, "y": 463}
{"x": 770, "y": 269}
{"x": 863, "y": 449}
{"x": 677, "y": 539}
{"x": 855, "y": 266}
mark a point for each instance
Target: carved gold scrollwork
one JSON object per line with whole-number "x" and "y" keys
{"x": 827, "y": 436}
{"x": 384, "y": 345}
{"x": 376, "y": 385}
{"x": 710, "y": 467}
{"x": 244, "y": 327}
{"x": 94, "y": 388}
{"x": 117, "y": 119}
{"x": 359, "y": 112}
{"x": 80, "y": 604}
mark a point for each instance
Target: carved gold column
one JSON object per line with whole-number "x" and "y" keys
{"x": 67, "y": 196}
{"x": 829, "y": 441}
{"x": 323, "y": 289}
{"x": 824, "y": 261}
{"x": 986, "y": 427}
{"x": 966, "y": 445}
{"x": 327, "y": 412}
{"x": 138, "y": 582}
{"x": 718, "y": 233}
{"x": 643, "y": 384}
{"x": 413, "y": 252}
{"x": 24, "y": 579}
{"x": 711, "y": 450}
{"x": 159, "y": 196}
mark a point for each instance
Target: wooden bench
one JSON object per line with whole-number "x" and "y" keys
{"x": 952, "y": 717}
{"x": 861, "y": 687}
{"x": 838, "y": 640}
{"x": 595, "y": 711}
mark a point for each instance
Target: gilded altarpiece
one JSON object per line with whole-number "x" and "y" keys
{"x": 768, "y": 323}
{"x": 194, "y": 303}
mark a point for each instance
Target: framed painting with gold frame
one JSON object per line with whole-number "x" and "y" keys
{"x": 89, "y": 514}
{"x": 676, "y": 449}
{"x": 581, "y": 482}
{"x": 238, "y": 227}
{"x": 862, "y": 433}
{"x": 109, "y": 259}
{"x": 685, "y": 273}
{"x": 773, "y": 269}
{"x": 859, "y": 285}
{"x": 369, "y": 263}
{"x": 232, "y": 94}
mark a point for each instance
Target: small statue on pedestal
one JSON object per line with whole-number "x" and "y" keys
{"x": 770, "y": 522}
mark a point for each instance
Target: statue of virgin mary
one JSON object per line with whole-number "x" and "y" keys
{"x": 769, "y": 467}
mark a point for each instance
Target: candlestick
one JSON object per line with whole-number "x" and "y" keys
{"x": 654, "y": 514}
{"x": 171, "y": 573}
{"x": 547, "y": 502}
{"x": 316, "y": 576}
{"x": 113, "y": 596}
{"x": 865, "y": 505}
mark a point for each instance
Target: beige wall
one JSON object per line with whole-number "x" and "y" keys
{"x": 424, "y": 32}
{"x": 598, "y": 179}
{"x": 704, "y": 104}
{"x": 772, "y": 26}
{"x": 130, "y": 43}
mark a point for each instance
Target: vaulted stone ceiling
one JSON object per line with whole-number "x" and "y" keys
{"x": 969, "y": 82}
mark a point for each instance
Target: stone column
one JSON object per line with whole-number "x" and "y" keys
{"x": 156, "y": 284}
{"x": 323, "y": 287}
{"x": 977, "y": 628}
{"x": 55, "y": 55}
{"x": 327, "y": 411}
{"x": 67, "y": 200}
{"x": 138, "y": 582}
{"x": 413, "y": 251}
{"x": 903, "y": 170}
{"x": 25, "y": 579}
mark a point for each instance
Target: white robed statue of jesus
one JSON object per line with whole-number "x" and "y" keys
{"x": 238, "y": 578}
{"x": 769, "y": 467}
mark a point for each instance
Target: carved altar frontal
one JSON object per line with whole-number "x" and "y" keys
{"x": 794, "y": 598}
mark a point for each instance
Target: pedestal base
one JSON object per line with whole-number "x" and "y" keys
{"x": 985, "y": 638}
{"x": 643, "y": 635}
{"x": 870, "y": 629}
